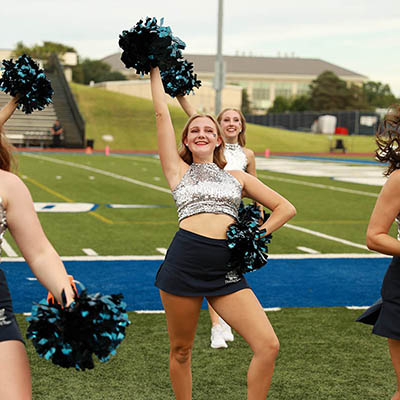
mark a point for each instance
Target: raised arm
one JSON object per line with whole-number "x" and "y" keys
{"x": 172, "y": 164}
{"x": 282, "y": 209}
{"x": 7, "y": 111}
{"x": 386, "y": 209}
{"x": 27, "y": 232}
{"x": 186, "y": 106}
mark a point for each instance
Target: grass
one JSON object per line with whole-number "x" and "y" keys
{"x": 130, "y": 120}
{"x": 324, "y": 355}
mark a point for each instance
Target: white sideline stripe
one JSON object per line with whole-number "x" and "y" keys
{"x": 8, "y": 249}
{"x": 357, "y": 307}
{"x": 318, "y": 185}
{"x": 307, "y": 250}
{"x": 27, "y": 314}
{"x": 162, "y": 250}
{"x": 329, "y": 237}
{"x": 149, "y": 311}
{"x": 90, "y": 252}
{"x": 272, "y": 309}
{"x": 100, "y": 171}
{"x": 31, "y": 279}
{"x": 137, "y": 158}
{"x": 160, "y": 258}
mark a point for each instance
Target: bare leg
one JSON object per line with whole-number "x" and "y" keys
{"x": 394, "y": 348}
{"x": 182, "y": 315}
{"x": 243, "y": 312}
{"x": 213, "y": 315}
{"x": 15, "y": 376}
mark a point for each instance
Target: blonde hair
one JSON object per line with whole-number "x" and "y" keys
{"x": 242, "y": 134}
{"x": 186, "y": 154}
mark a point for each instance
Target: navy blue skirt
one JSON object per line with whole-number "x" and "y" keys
{"x": 196, "y": 265}
{"x": 9, "y": 329}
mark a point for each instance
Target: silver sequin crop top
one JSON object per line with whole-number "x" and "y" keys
{"x": 235, "y": 157}
{"x": 205, "y": 188}
{"x": 3, "y": 222}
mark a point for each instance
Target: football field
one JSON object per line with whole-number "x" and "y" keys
{"x": 112, "y": 219}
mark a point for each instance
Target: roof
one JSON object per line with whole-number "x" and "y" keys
{"x": 254, "y": 65}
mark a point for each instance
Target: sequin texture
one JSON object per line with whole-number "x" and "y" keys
{"x": 235, "y": 157}
{"x": 3, "y": 222}
{"x": 205, "y": 188}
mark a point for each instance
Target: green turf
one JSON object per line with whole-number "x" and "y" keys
{"x": 323, "y": 355}
{"x": 131, "y": 121}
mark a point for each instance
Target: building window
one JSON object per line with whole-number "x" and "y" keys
{"x": 302, "y": 88}
{"x": 283, "y": 89}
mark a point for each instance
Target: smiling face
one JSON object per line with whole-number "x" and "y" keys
{"x": 202, "y": 138}
{"x": 231, "y": 125}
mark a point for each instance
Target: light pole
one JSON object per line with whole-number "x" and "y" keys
{"x": 219, "y": 64}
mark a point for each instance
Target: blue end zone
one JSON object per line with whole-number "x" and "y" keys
{"x": 312, "y": 282}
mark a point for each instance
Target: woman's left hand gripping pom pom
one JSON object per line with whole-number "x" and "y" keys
{"x": 25, "y": 80}
{"x": 69, "y": 336}
{"x": 247, "y": 242}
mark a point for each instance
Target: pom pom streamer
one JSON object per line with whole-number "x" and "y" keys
{"x": 148, "y": 45}
{"x": 28, "y": 82}
{"x": 179, "y": 80}
{"x": 92, "y": 324}
{"x": 248, "y": 243}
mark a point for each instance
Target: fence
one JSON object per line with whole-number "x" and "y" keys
{"x": 357, "y": 122}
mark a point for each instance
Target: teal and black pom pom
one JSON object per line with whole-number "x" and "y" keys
{"x": 25, "y": 80}
{"x": 148, "y": 45}
{"x": 93, "y": 325}
{"x": 247, "y": 243}
{"x": 179, "y": 80}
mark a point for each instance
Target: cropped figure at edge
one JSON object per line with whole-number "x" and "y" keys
{"x": 208, "y": 198}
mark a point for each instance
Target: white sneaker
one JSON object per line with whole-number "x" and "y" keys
{"x": 226, "y": 331}
{"x": 217, "y": 338}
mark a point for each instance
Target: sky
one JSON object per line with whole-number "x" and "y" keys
{"x": 360, "y": 35}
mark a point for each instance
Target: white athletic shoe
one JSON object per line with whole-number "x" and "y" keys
{"x": 217, "y": 338}
{"x": 226, "y": 331}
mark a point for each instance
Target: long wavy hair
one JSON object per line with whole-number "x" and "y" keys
{"x": 186, "y": 154}
{"x": 242, "y": 134}
{"x": 388, "y": 140}
{"x": 7, "y": 161}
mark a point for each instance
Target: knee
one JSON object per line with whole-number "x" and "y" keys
{"x": 181, "y": 354}
{"x": 268, "y": 349}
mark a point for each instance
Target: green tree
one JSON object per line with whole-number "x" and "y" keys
{"x": 246, "y": 105}
{"x": 95, "y": 70}
{"x": 378, "y": 94}
{"x": 300, "y": 103}
{"x": 281, "y": 104}
{"x": 43, "y": 51}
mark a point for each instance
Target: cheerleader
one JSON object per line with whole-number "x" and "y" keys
{"x": 385, "y": 314}
{"x": 195, "y": 266}
{"x": 233, "y": 125}
{"x": 18, "y": 215}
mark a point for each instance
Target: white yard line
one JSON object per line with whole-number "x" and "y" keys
{"x": 100, "y": 171}
{"x": 137, "y": 158}
{"x": 162, "y": 250}
{"x": 307, "y": 250}
{"x": 324, "y": 236}
{"x": 318, "y": 185}
{"x": 273, "y": 309}
{"x": 90, "y": 252}
{"x": 8, "y": 249}
{"x": 357, "y": 307}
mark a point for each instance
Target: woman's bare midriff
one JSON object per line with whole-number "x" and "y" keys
{"x": 210, "y": 225}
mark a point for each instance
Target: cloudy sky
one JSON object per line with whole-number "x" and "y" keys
{"x": 360, "y": 35}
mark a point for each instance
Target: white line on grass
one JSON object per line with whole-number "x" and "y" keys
{"x": 273, "y": 309}
{"x": 31, "y": 279}
{"x": 149, "y": 311}
{"x": 90, "y": 252}
{"x": 318, "y": 185}
{"x": 161, "y": 258}
{"x": 8, "y": 249}
{"x": 324, "y": 236}
{"x": 100, "y": 171}
{"x": 162, "y": 250}
{"x": 307, "y": 250}
{"x": 137, "y": 158}
{"x": 357, "y": 307}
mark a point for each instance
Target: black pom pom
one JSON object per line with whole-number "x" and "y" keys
{"x": 247, "y": 243}
{"x": 179, "y": 80}
{"x": 93, "y": 324}
{"x": 26, "y": 80}
{"x": 148, "y": 45}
